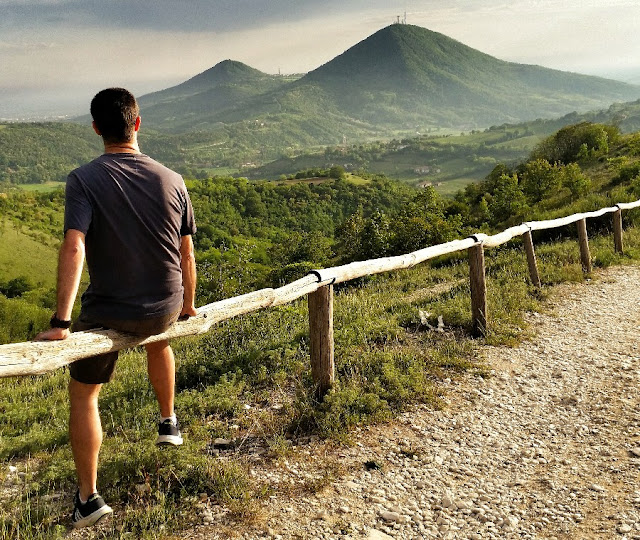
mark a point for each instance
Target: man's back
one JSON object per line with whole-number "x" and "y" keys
{"x": 133, "y": 212}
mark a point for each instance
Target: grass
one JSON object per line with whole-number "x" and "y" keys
{"x": 45, "y": 187}
{"x": 22, "y": 255}
{"x": 249, "y": 380}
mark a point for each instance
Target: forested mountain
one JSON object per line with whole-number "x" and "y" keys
{"x": 403, "y": 77}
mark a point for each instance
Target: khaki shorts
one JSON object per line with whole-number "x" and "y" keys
{"x": 99, "y": 369}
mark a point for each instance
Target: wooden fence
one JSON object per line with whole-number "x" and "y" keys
{"x": 32, "y": 358}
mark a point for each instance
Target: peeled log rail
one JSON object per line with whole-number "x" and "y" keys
{"x": 505, "y": 236}
{"x": 38, "y": 357}
{"x": 347, "y": 272}
{"x": 629, "y": 205}
{"x": 560, "y": 222}
{"x": 34, "y": 358}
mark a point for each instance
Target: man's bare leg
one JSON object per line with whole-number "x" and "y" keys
{"x": 85, "y": 432}
{"x": 162, "y": 375}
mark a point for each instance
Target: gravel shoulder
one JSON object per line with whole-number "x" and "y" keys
{"x": 547, "y": 447}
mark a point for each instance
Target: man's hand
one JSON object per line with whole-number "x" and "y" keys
{"x": 187, "y": 312}
{"x": 53, "y": 334}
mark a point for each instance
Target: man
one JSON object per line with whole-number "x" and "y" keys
{"x": 134, "y": 218}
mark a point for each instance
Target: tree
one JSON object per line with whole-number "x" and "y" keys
{"x": 577, "y": 141}
{"x": 575, "y": 180}
{"x": 539, "y": 179}
{"x": 337, "y": 171}
{"x": 508, "y": 200}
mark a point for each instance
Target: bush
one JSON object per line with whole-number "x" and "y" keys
{"x": 579, "y": 141}
{"x": 16, "y": 287}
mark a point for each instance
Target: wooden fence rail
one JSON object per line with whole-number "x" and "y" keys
{"x": 33, "y": 358}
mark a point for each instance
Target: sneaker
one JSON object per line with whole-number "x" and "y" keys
{"x": 169, "y": 433}
{"x": 85, "y": 515}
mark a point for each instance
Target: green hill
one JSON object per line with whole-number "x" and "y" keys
{"x": 411, "y": 74}
{"x": 44, "y": 152}
{"x": 197, "y": 102}
{"x": 401, "y": 79}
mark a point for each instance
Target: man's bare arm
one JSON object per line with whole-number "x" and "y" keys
{"x": 188, "y": 265}
{"x": 70, "y": 263}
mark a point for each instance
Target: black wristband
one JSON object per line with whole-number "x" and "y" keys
{"x": 57, "y": 323}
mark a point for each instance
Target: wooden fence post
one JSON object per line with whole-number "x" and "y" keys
{"x": 531, "y": 260}
{"x": 321, "y": 338}
{"x": 617, "y": 230}
{"x": 585, "y": 255}
{"x": 478, "y": 284}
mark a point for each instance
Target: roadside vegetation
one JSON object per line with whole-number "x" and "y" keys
{"x": 248, "y": 381}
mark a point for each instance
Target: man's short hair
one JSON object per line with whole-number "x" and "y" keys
{"x": 114, "y": 111}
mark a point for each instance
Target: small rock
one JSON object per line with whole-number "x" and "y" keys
{"x": 391, "y": 516}
{"x": 635, "y": 452}
{"x": 220, "y": 443}
{"x": 375, "y": 534}
{"x": 322, "y": 514}
{"x": 597, "y": 487}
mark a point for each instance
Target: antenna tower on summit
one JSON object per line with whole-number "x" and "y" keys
{"x": 403, "y": 20}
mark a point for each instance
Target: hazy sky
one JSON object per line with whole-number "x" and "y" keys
{"x": 57, "y": 53}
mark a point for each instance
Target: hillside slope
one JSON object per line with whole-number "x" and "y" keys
{"x": 225, "y": 86}
{"x": 408, "y": 72}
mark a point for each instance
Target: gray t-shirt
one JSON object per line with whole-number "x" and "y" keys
{"x": 133, "y": 211}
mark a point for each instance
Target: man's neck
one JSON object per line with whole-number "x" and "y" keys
{"x": 122, "y": 148}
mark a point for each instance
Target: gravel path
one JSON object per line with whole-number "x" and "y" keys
{"x": 548, "y": 447}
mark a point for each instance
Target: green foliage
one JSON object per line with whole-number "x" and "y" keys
{"x": 507, "y": 202}
{"x": 539, "y": 179}
{"x": 239, "y": 250}
{"x": 575, "y": 180}
{"x": 421, "y": 222}
{"x": 21, "y": 320}
{"x": 576, "y": 142}
{"x": 628, "y": 173}
{"x": 16, "y": 287}
{"x": 45, "y": 152}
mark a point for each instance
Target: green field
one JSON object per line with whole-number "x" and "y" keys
{"x": 44, "y": 187}
{"x": 22, "y": 255}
